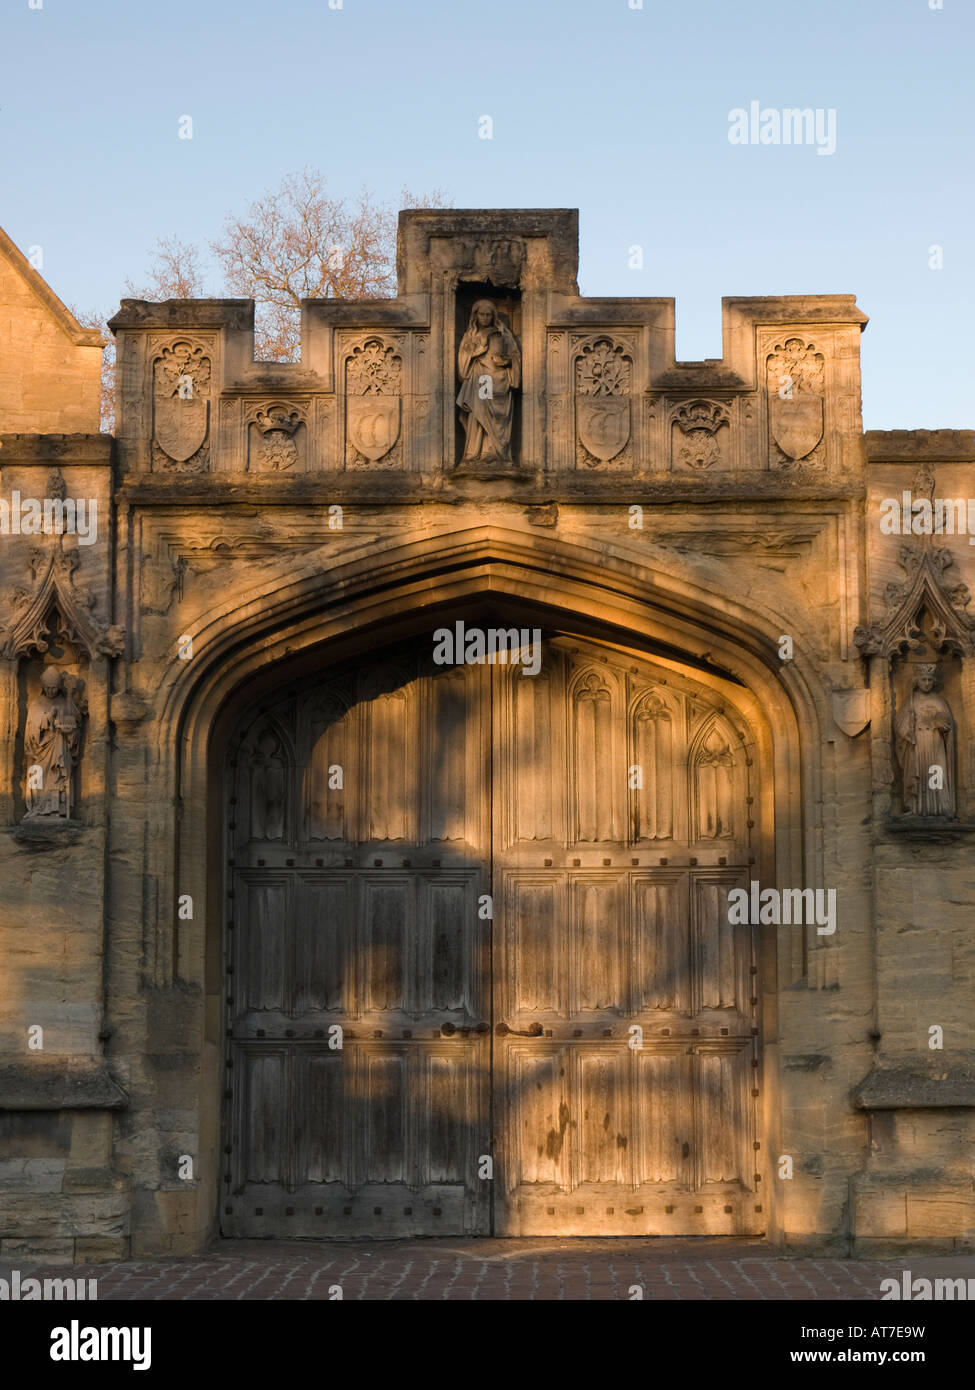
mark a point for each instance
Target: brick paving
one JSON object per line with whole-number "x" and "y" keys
{"x": 516, "y": 1270}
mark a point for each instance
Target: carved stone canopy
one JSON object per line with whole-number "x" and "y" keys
{"x": 925, "y": 589}
{"x": 57, "y": 602}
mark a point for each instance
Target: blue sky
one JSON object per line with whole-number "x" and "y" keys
{"x": 620, "y": 112}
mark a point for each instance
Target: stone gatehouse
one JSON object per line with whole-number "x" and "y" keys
{"x": 487, "y": 777}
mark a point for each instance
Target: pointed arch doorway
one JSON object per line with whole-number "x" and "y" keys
{"x": 480, "y": 978}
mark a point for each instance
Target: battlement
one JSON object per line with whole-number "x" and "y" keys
{"x": 415, "y": 385}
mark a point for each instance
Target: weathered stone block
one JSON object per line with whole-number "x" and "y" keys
{"x": 46, "y": 1249}
{"x": 31, "y": 1174}
{"x": 100, "y": 1249}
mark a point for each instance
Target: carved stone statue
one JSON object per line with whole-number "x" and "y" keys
{"x": 489, "y": 361}
{"x": 52, "y": 740}
{"x": 924, "y": 741}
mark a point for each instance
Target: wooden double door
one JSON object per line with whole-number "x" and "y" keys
{"x": 479, "y": 972}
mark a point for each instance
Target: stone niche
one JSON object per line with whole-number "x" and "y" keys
{"x": 62, "y": 712}
{"x": 497, "y": 370}
{"x": 921, "y": 652}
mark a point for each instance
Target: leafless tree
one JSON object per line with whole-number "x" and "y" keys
{"x": 174, "y": 273}
{"x": 299, "y": 242}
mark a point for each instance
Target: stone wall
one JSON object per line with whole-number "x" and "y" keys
{"x": 267, "y": 519}
{"x": 50, "y": 367}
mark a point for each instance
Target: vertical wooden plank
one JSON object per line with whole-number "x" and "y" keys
{"x": 324, "y": 942}
{"x": 324, "y": 806}
{"x": 596, "y": 774}
{"x": 661, "y": 939}
{"x": 603, "y": 1136}
{"x": 386, "y": 1099}
{"x": 323, "y": 1082}
{"x": 264, "y": 1086}
{"x": 662, "y": 1120}
{"x": 721, "y": 950}
{"x": 532, "y": 921}
{"x": 529, "y": 750}
{"x": 445, "y": 1117}
{"x": 265, "y": 952}
{"x": 537, "y": 1115}
{"x": 448, "y": 920}
{"x": 596, "y": 925}
{"x": 719, "y": 1082}
{"x": 444, "y": 766}
{"x": 386, "y": 935}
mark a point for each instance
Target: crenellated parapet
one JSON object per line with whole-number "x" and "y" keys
{"x": 490, "y": 365}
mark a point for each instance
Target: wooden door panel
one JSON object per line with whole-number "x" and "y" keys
{"x": 320, "y": 1088}
{"x": 596, "y": 919}
{"x": 264, "y": 966}
{"x": 534, "y": 1096}
{"x": 325, "y": 946}
{"x": 263, "y": 1078}
{"x": 358, "y": 964}
{"x": 625, "y": 1004}
{"x": 532, "y": 954}
{"x": 600, "y": 1140}
{"x": 386, "y": 943}
{"x": 663, "y": 1098}
{"x": 661, "y": 942}
{"x": 612, "y": 1078}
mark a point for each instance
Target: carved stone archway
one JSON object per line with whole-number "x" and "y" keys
{"x": 318, "y": 619}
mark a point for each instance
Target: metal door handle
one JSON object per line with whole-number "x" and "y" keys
{"x": 534, "y": 1030}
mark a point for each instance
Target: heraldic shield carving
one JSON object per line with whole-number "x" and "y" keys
{"x": 795, "y": 398}
{"x": 603, "y": 399}
{"x": 181, "y": 401}
{"x": 851, "y": 710}
{"x": 603, "y": 423}
{"x": 373, "y": 409}
{"x": 374, "y": 424}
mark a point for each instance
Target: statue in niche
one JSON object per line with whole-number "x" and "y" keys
{"x": 489, "y": 361}
{"x": 52, "y": 741}
{"x": 924, "y": 740}
{"x": 267, "y": 790}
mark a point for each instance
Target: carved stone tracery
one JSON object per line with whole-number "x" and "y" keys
{"x": 927, "y": 590}
{"x": 57, "y": 608}
{"x": 924, "y": 614}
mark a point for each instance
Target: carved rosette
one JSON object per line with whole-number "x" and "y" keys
{"x": 796, "y": 392}
{"x": 181, "y": 407}
{"x": 273, "y": 434}
{"x": 373, "y": 403}
{"x": 603, "y": 371}
{"x": 696, "y": 439}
